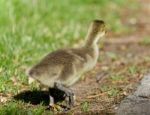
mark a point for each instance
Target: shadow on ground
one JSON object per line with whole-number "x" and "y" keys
{"x": 39, "y": 97}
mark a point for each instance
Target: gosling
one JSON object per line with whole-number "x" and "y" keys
{"x": 64, "y": 67}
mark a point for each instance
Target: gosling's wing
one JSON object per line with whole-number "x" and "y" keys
{"x": 44, "y": 70}
{"x": 51, "y": 64}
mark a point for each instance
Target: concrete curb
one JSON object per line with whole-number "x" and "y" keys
{"x": 139, "y": 102}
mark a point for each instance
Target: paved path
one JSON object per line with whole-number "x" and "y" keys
{"x": 139, "y": 102}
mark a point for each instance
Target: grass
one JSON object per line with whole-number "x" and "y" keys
{"x": 111, "y": 90}
{"x": 132, "y": 70}
{"x": 112, "y": 55}
{"x": 145, "y": 41}
{"x": 30, "y": 29}
{"x": 13, "y": 108}
{"x": 85, "y": 106}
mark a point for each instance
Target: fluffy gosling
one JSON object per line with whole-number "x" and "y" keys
{"x": 63, "y": 68}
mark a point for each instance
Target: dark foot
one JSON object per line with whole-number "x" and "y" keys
{"x": 70, "y": 97}
{"x": 68, "y": 92}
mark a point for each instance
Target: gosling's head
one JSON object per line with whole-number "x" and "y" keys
{"x": 96, "y": 30}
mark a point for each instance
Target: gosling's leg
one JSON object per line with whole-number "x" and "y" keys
{"x": 68, "y": 93}
{"x": 52, "y": 105}
{"x": 51, "y": 100}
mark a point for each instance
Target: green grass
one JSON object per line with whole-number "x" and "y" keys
{"x": 116, "y": 77}
{"x": 111, "y": 90}
{"x": 31, "y": 29}
{"x": 17, "y": 108}
{"x": 112, "y": 55}
{"x": 85, "y": 106}
{"x": 133, "y": 70}
{"x": 145, "y": 41}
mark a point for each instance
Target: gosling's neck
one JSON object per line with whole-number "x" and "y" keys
{"x": 92, "y": 40}
{"x": 95, "y": 32}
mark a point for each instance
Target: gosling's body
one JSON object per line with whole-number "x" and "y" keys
{"x": 63, "y": 68}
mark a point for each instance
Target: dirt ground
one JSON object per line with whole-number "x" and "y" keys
{"x": 122, "y": 64}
